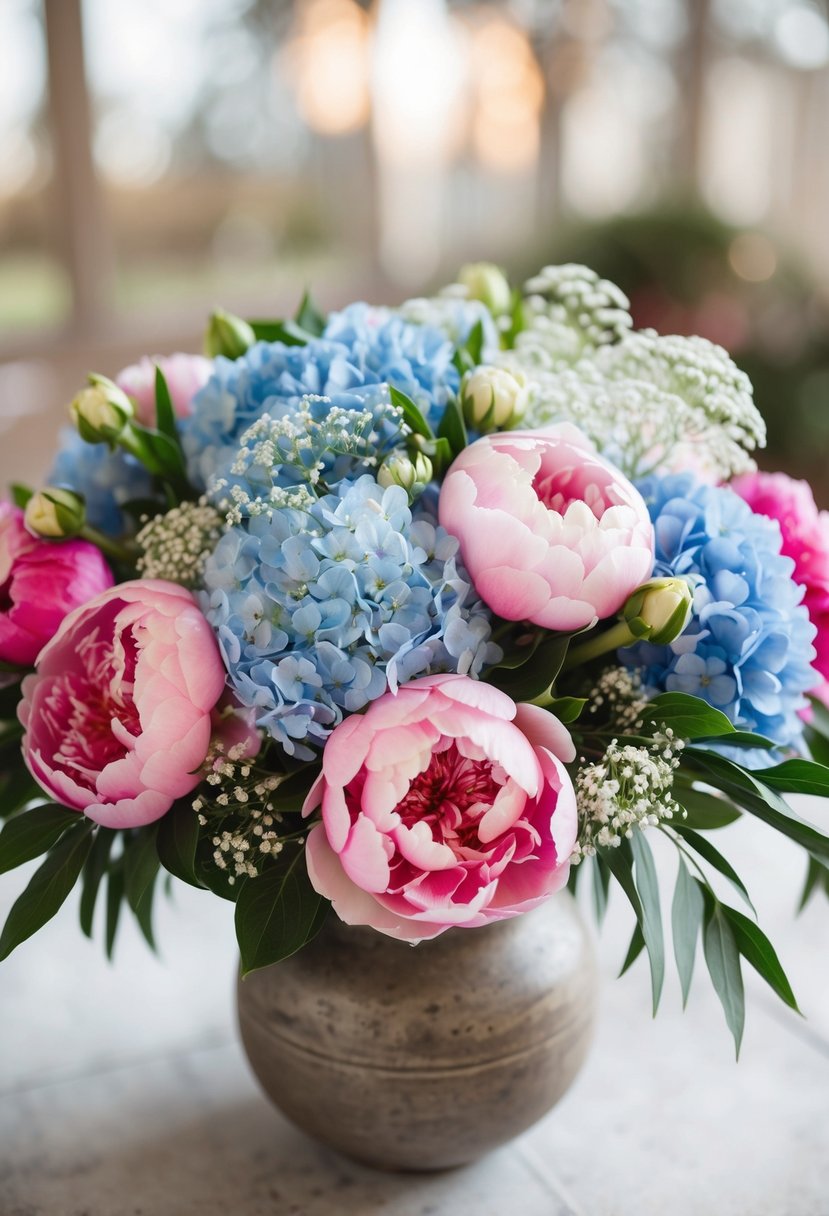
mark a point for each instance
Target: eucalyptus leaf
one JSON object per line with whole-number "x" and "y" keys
{"x": 637, "y": 945}
{"x": 722, "y": 957}
{"x": 647, "y": 884}
{"x": 277, "y": 913}
{"x": 601, "y": 886}
{"x": 756, "y": 949}
{"x": 714, "y": 858}
{"x": 48, "y": 888}
{"x": 620, "y": 862}
{"x": 705, "y": 811}
{"x": 687, "y": 911}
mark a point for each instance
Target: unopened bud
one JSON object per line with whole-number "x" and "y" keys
{"x": 102, "y": 411}
{"x": 55, "y": 514}
{"x": 413, "y": 473}
{"x": 494, "y": 398}
{"x": 659, "y": 610}
{"x": 227, "y": 335}
{"x": 486, "y": 283}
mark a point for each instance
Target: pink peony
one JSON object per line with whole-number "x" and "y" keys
{"x": 40, "y": 582}
{"x": 117, "y": 714}
{"x": 185, "y": 375}
{"x": 444, "y": 804}
{"x": 805, "y": 540}
{"x": 549, "y": 531}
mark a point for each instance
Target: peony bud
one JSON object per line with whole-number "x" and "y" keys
{"x": 494, "y": 398}
{"x": 487, "y": 283}
{"x": 102, "y": 411}
{"x": 412, "y": 473}
{"x": 55, "y": 514}
{"x": 659, "y": 610}
{"x": 227, "y": 335}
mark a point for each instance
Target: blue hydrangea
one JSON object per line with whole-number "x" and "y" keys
{"x": 106, "y": 479}
{"x": 319, "y": 612}
{"x": 748, "y": 648}
{"x": 361, "y": 347}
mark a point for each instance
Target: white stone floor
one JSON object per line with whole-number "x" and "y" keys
{"x": 123, "y": 1091}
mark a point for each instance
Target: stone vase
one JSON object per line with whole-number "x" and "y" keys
{"x": 429, "y": 1056}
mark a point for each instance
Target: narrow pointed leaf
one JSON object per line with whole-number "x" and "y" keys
{"x": 722, "y": 958}
{"x": 115, "y": 899}
{"x": 452, "y": 426}
{"x": 48, "y": 888}
{"x": 756, "y": 948}
{"x": 601, "y": 886}
{"x": 140, "y": 872}
{"x": 411, "y": 413}
{"x": 309, "y": 318}
{"x": 647, "y": 884}
{"x": 33, "y": 832}
{"x": 93, "y": 872}
{"x": 165, "y": 415}
{"x": 817, "y": 876}
{"x": 689, "y": 717}
{"x": 687, "y": 911}
{"x": 714, "y": 858}
{"x": 178, "y": 837}
{"x": 620, "y": 862}
{"x": 796, "y": 777}
{"x": 637, "y": 945}
{"x": 705, "y": 811}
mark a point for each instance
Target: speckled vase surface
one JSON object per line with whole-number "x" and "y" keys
{"x": 424, "y": 1057}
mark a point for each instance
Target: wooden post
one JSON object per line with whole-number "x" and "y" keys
{"x": 85, "y": 246}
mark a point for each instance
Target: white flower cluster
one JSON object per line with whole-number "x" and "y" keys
{"x": 648, "y": 402}
{"x": 239, "y": 809}
{"x": 629, "y": 789}
{"x": 618, "y": 697}
{"x": 177, "y": 545}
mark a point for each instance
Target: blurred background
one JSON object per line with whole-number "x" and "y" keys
{"x": 159, "y": 158}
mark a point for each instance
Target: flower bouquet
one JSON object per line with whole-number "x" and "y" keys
{"x": 415, "y": 614}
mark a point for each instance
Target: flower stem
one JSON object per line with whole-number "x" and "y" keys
{"x": 617, "y": 635}
{"x": 121, "y": 552}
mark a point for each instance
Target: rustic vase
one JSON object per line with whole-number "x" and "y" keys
{"x": 429, "y": 1056}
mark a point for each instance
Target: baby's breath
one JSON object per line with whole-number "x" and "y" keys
{"x": 618, "y": 698}
{"x": 176, "y": 545}
{"x": 629, "y": 790}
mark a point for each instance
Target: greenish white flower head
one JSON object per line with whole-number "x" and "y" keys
{"x": 412, "y": 473}
{"x": 55, "y": 514}
{"x": 227, "y": 335}
{"x": 176, "y": 545}
{"x": 659, "y": 610}
{"x": 488, "y": 283}
{"x": 494, "y": 398}
{"x": 102, "y": 411}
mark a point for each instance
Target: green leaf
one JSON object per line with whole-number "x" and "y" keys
{"x": 532, "y": 678}
{"x": 517, "y": 319}
{"x": 140, "y": 872}
{"x": 33, "y": 832}
{"x": 706, "y": 811}
{"x": 689, "y": 717}
{"x": 178, "y": 837}
{"x": 165, "y": 415}
{"x": 722, "y": 958}
{"x": 567, "y": 709}
{"x": 277, "y": 913}
{"x": 637, "y": 945}
{"x": 411, "y": 413}
{"x": 687, "y": 911}
{"x": 817, "y": 876}
{"x": 115, "y": 899}
{"x": 20, "y": 494}
{"x": 601, "y": 886}
{"x": 620, "y": 862}
{"x": 474, "y": 344}
{"x": 796, "y": 777}
{"x": 818, "y": 745}
{"x": 48, "y": 888}
{"x": 17, "y": 788}
{"x": 309, "y": 318}
{"x": 281, "y": 331}
{"x": 647, "y": 884}
{"x": 744, "y": 739}
{"x": 94, "y": 869}
{"x": 714, "y": 858}
{"x": 158, "y": 453}
{"x": 452, "y": 426}
{"x": 756, "y": 949}
{"x": 757, "y": 798}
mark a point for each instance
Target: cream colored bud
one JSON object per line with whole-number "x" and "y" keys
{"x": 660, "y": 609}
{"x": 55, "y": 514}
{"x": 412, "y": 473}
{"x": 101, "y": 411}
{"x": 488, "y": 283}
{"x": 494, "y": 398}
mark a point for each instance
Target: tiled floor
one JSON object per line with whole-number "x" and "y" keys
{"x": 123, "y": 1091}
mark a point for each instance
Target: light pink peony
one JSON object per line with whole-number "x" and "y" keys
{"x": 185, "y": 375}
{"x": 117, "y": 714}
{"x": 444, "y": 804}
{"x": 805, "y": 540}
{"x": 40, "y": 582}
{"x": 549, "y": 531}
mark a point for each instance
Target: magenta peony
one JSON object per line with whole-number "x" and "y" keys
{"x": 40, "y": 582}
{"x": 444, "y": 804}
{"x": 805, "y": 532}
{"x": 550, "y": 532}
{"x": 118, "y": 713}
{"x": 185, "y": 375}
